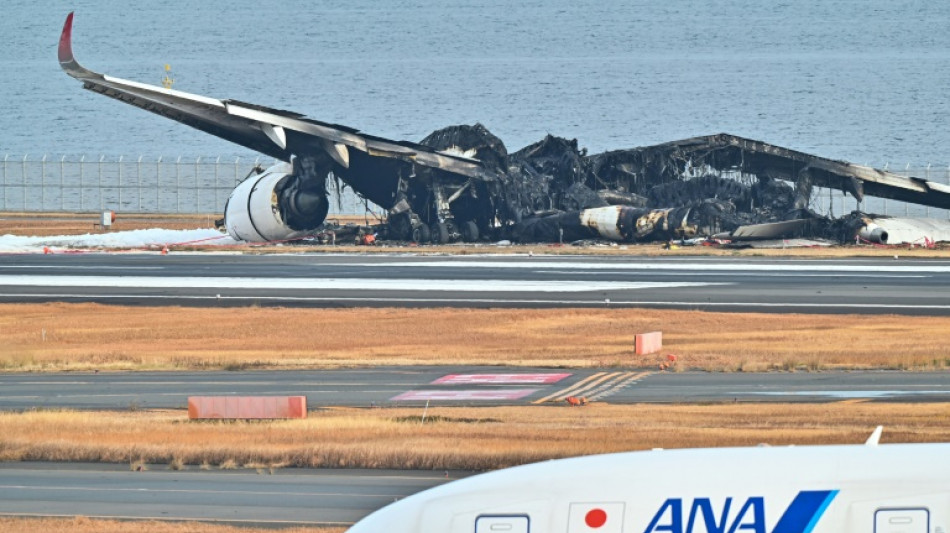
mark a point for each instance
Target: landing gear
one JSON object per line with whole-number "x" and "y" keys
{"x": 446, "y": 212}
{"x": 440, "y": 233}
{"x": 421, "y": 234}
{"x": 469, "y": 231}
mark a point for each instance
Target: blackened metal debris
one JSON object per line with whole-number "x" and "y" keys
{"x": 461, "y": 183}
{"x": 553, "y": 191}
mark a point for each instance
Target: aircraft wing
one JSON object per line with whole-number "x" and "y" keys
{"x": 274, "y": 132}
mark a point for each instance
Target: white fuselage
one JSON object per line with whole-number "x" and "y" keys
{"x": 897, "y": 488}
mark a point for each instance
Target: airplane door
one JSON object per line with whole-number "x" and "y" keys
{"x": 902, "y": 521}
{"x": 502, "y": 524}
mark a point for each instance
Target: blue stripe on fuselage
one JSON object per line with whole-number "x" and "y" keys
{"x": 804, "y": 512}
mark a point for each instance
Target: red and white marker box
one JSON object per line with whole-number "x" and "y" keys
{"x": 647, "y": 343}
{"x": 247, "y": 407}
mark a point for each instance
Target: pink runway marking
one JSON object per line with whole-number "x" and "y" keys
{"x": 460, "y": 395}
{"x": 499, "y": 379}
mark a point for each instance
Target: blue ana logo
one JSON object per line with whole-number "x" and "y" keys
{"x": 800, "y": 516}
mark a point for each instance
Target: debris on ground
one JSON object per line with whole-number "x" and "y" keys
{"x": 719, "y": 189}
{"x": 576, "y": 401}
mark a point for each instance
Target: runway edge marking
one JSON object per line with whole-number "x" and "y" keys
{"x": 596, "y": 386}
{"x": 617, "y": 385}
{"x": 569, "y": 389}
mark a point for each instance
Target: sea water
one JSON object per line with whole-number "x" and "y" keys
{"x": 861, "y": 80}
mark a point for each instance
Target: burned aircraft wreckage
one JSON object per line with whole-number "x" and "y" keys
{"x": 461, "y": 184}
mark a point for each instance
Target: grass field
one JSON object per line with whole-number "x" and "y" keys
{"x": 452, "y": 438}
{"x": 58, "y": 336}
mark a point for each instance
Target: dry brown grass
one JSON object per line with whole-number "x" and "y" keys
{"x": 82, "y": 524}
{"x": 452, "y": 437}
{"x": 58, "y": 336}
{"x": 42, "y": 224}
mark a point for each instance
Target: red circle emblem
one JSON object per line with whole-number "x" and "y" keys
{"x": 595, "y": 518}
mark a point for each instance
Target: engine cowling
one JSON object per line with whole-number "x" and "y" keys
{"x": 871, "y": 232}
{"x": 273, "y": 206}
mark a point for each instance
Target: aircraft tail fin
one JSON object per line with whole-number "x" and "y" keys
{"x": 875, "y": 437}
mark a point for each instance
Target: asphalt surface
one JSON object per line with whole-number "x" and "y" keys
{"x": 341, "y": 497}
{"x": 286, "y": 497}
{"x": 867, "y": 286}
{"x": 414, "y": 386}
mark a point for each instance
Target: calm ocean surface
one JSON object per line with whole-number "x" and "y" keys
{"x": 862, "y": 80}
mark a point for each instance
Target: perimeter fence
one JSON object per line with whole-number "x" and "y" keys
{"x": 134, "y": 185}
{"x": 200, "y": 185}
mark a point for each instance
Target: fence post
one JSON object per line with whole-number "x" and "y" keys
{"x": 215, "y": 186}
{"x": 82, "y": 179}
{"x": 119, "y": 207}
{"x": 178, "y": 185}
{"x": 62, "y": 190}
{"x": 197, "y": 182}
{"x": 43, "y": 184}
{"x": 158, "y": 183}
{"x": 23, "y": 185}
{"x": 101, "y": 159}
{"x": 6, "y": 192}
{"x": 138, "y": 179}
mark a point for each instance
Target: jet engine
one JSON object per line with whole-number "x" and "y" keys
{"x": 275, "y": 205}
{"x": 871, "y": 232}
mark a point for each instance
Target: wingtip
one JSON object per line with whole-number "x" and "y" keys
{"x": 66, "y": 40}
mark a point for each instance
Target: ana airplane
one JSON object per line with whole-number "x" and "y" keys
{"x": 895, "y": 488}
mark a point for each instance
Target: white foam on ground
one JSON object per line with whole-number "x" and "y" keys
{"x": 461, "y": 285}
{"x": 141, "y": 238}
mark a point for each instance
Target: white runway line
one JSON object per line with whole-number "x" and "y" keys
{"x": 786, "y": 275}
{"x": 458, "y": 285}
{"x": 76, "y": 267}
{"x": 698, "y": 267}
{"x": 595, "y": 302}
{"x": 845, "y": 394}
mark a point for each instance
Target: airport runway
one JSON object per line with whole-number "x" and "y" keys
{"x": 286, "y": 497}
{"x": 339, "y": 497}
{"x": 868, "y": 286}
{"x": 414, "y": 386}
